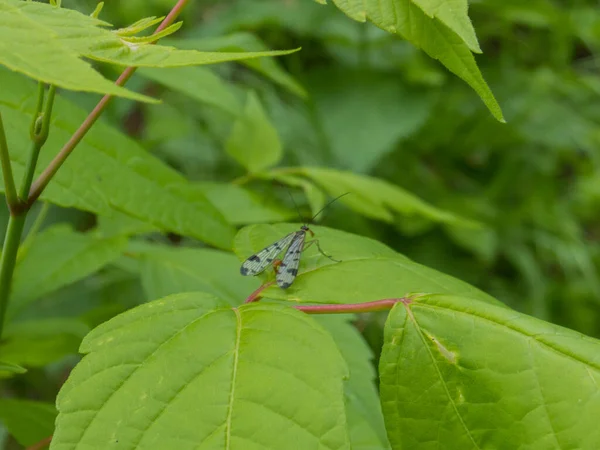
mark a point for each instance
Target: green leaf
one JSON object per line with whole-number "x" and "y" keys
{"x": 405, "y": 18}
{"x": 314, "y": 195}
{"x": 368, "y": 269}
{"x": 242, "y": 206}
{"x": 30, "y": 46}
{"x": 167, "y": 270}
{"x": 119, "y": 224}
{"x": 8, "y": 367}
{"x": 245, "y": 42}
{"x": 453, "y": 14}
{"x": 57, "y": 257}
{"x": 377, "y": 198}
{"x": 108, "y": 171}
{"x": 253, "y": 141}
{"x": 186, "y": 371}
{"x": 468, "y": 374}
{"x": 46, "y": 43}
{"x": 197, "y": 83}
{"x": 364, "y": 114}
{"x": 38, "y": 342}
{"x": 365, "y": 419}
{"x": 28, "y": 421}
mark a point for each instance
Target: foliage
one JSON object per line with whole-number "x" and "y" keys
{"x": 464, "y": 242}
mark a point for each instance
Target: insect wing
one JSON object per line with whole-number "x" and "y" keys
{"x": 288, "y": 269}
{"x": 261, "y": 260}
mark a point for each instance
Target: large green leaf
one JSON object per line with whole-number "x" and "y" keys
{"x": 46, "y": 43}
{"x": 253, "y": 141}
{"x": 439, "y": 27}
{"x": 368, "y": 269}
{"x": 108, "y": 170}
{"x": 29, "y": 422}
{"x": 456, "y": 373}
{"x": 186, "y": 372}
{"x": 57, "y": 257}
{"x": 168, "y": 270}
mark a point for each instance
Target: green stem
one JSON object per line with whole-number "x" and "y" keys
{"x": 7, "y": 261}
{"x": 9, "y": 182}
{"x": 39, "y": 135}
{"x": 39, "y": 131}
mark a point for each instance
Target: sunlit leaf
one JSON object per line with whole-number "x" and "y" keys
{"x": 185, "y": 371}
{"x": 368, "y": 269}
{"x": 483, "y": 376}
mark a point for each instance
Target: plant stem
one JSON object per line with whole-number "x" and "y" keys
{"x": 40, "y": 128}
{"x": 255, "y": 296}
{"x": 39, "y": 134}
{"x": 42, "y": 181}
{"x": 7, "y": 261}
{"x": 377, "y": 305}
{"x": 9, "y": 182}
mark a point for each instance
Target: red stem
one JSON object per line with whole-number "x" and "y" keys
{"x": 255, "y": 296}
{"x": 41, "y": 444}
{"x": 377, "y": 305}
{"x": 42, "y": 181}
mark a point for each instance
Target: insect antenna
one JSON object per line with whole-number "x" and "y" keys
{"x": 329, "y": 203}
{"x": 296, "y": 205}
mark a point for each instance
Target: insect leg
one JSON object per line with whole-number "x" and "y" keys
{"x": 316, "y": 241}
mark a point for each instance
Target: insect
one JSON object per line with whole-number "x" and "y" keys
{"x": 287, "y": 269}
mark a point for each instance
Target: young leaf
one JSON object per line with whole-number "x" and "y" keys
{"x": 167, "y": 270}
{"x": 28, "y": 421}
{"x": 29, "y": 46}
{"x": 108, "y": 170}
{"x": 187, "y": 371}
{"x": 462, "y": 374}
{"x": 57, "y": 257}
{"x": 368, "y": 269}
{"x": 46, "y": 43}
{"x": 253, "y": 141}
{"x": 441, "y": 33}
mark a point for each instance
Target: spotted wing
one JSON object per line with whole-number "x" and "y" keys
{"x": 288, "y": 269}
{"x": 261, "y": 260}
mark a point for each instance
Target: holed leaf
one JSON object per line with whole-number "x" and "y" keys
{"x": 456, "y": 373}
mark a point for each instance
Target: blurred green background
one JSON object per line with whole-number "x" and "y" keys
{"x": 356, "y": 98}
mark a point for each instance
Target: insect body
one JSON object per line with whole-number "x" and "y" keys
{"x": 288, "y": 268}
